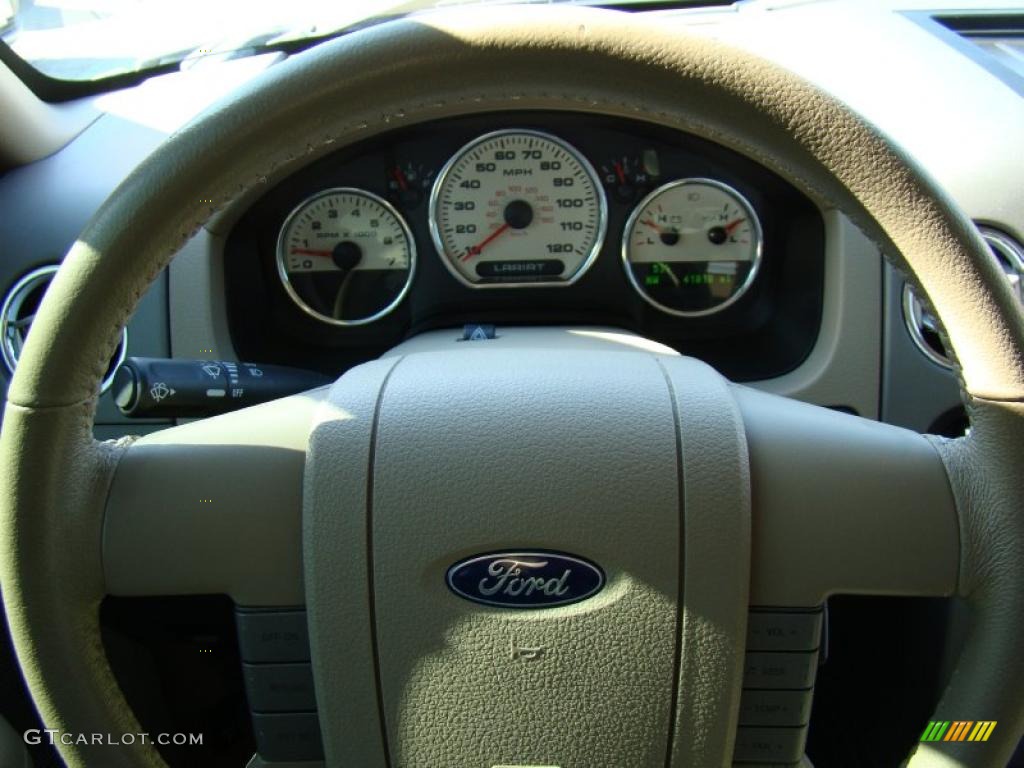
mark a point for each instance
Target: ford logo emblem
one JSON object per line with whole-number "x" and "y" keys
{"x": 527, "y": 579}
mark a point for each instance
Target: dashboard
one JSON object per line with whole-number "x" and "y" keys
{"x": 823, "y": 319}
{"x": 529, "y": 219}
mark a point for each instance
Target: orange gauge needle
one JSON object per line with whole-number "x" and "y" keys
{"x": 310, "y": 252}
{"x": 476, "y": 249}
{"x": 651, "y": 224}
{"x": 732, "y": 225}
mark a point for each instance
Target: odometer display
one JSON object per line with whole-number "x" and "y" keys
{"x": 517, "y": 207}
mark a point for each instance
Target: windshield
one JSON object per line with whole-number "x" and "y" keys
{"x": 94, "y": 39}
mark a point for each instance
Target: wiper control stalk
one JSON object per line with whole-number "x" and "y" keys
{"x": 158, "y": 387}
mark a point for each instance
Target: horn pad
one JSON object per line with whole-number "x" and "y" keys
{"x": 494, "y": 560}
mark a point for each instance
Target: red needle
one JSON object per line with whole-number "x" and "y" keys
{"x": 732, "y": 225}
{"x": 400, "y": 178}
{"x": 652, "y": 225}
{"x": 310, "y": 252}
{"x": 476, "y": 249}
{"x": 619, "y": 172}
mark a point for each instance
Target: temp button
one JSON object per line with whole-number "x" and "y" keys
{"x": 775, "y": 708}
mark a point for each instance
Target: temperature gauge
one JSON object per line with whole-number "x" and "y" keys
{"x": 629, "y": 176}
{"x": 692, "y": 247}
{"x": 409, "y": 183}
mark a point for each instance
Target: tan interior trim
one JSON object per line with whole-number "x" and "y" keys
{"x": 32, "y": 129}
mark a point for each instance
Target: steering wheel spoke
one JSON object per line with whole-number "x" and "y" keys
{"x": 213, "y": 506}
{"x": 844, "y": 504}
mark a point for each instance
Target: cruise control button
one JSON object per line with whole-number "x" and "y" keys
{"x": 779, "y": 670}
{"x": 272, "y": 635}
{"x": 775, "y": 708}
{"x": 769, "y": 745}
{"x": 777, "y": 631}
{"x": 279, "y": 687}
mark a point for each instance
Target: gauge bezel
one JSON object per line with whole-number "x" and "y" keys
{"x": 747, "y": 282}
{"x": 282, "y": 270}
{"x": 588, "y": 168}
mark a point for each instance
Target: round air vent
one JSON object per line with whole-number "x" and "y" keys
{"x": 924, "y": 327}
{"x": 19, "y": 309}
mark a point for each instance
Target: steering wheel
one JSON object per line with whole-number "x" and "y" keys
{"x": 696, "y": 497}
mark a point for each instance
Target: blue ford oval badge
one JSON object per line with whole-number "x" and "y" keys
{"x": 533, "y": 579}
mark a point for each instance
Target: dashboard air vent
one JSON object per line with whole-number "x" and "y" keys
{"x": 18, "y": 311}
{"x": 924, "y": 327}
{"x": 998, "y": 37}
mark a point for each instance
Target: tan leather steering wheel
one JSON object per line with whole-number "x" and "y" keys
{"x": 342, "y": 471}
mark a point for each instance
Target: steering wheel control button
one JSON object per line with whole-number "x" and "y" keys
{"x": 778, "y": 631}
{"x": 288, "y": 737}
{"x": 279, "y": 687}
{"x": 780, "y": 670}
{"x": 272, "y": 636}
{"x": 769, "y": 745}
{"x": 778, "y": 680}
{"x": 148, "y": 387}
{"x": 775, "y": 708}
{"x": 533, "y": 579}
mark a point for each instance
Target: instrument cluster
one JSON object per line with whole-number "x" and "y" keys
{"x": 529, "y": 218}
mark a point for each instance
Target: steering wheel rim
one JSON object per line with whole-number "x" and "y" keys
{"x": 57, "y": 478}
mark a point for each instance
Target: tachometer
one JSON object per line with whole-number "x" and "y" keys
{"x": 692, "y": 247}
{"x": 517, "y": 207}
{"x": 346, "y": 257}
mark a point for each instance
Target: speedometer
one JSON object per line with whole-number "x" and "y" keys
{"x": 517, "y": 207}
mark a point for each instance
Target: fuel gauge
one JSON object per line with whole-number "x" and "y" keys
{"x": 692, "y": 247}
{"x": 409, "y": 183}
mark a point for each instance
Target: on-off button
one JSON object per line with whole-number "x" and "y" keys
{"x": 272, "y": 635}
